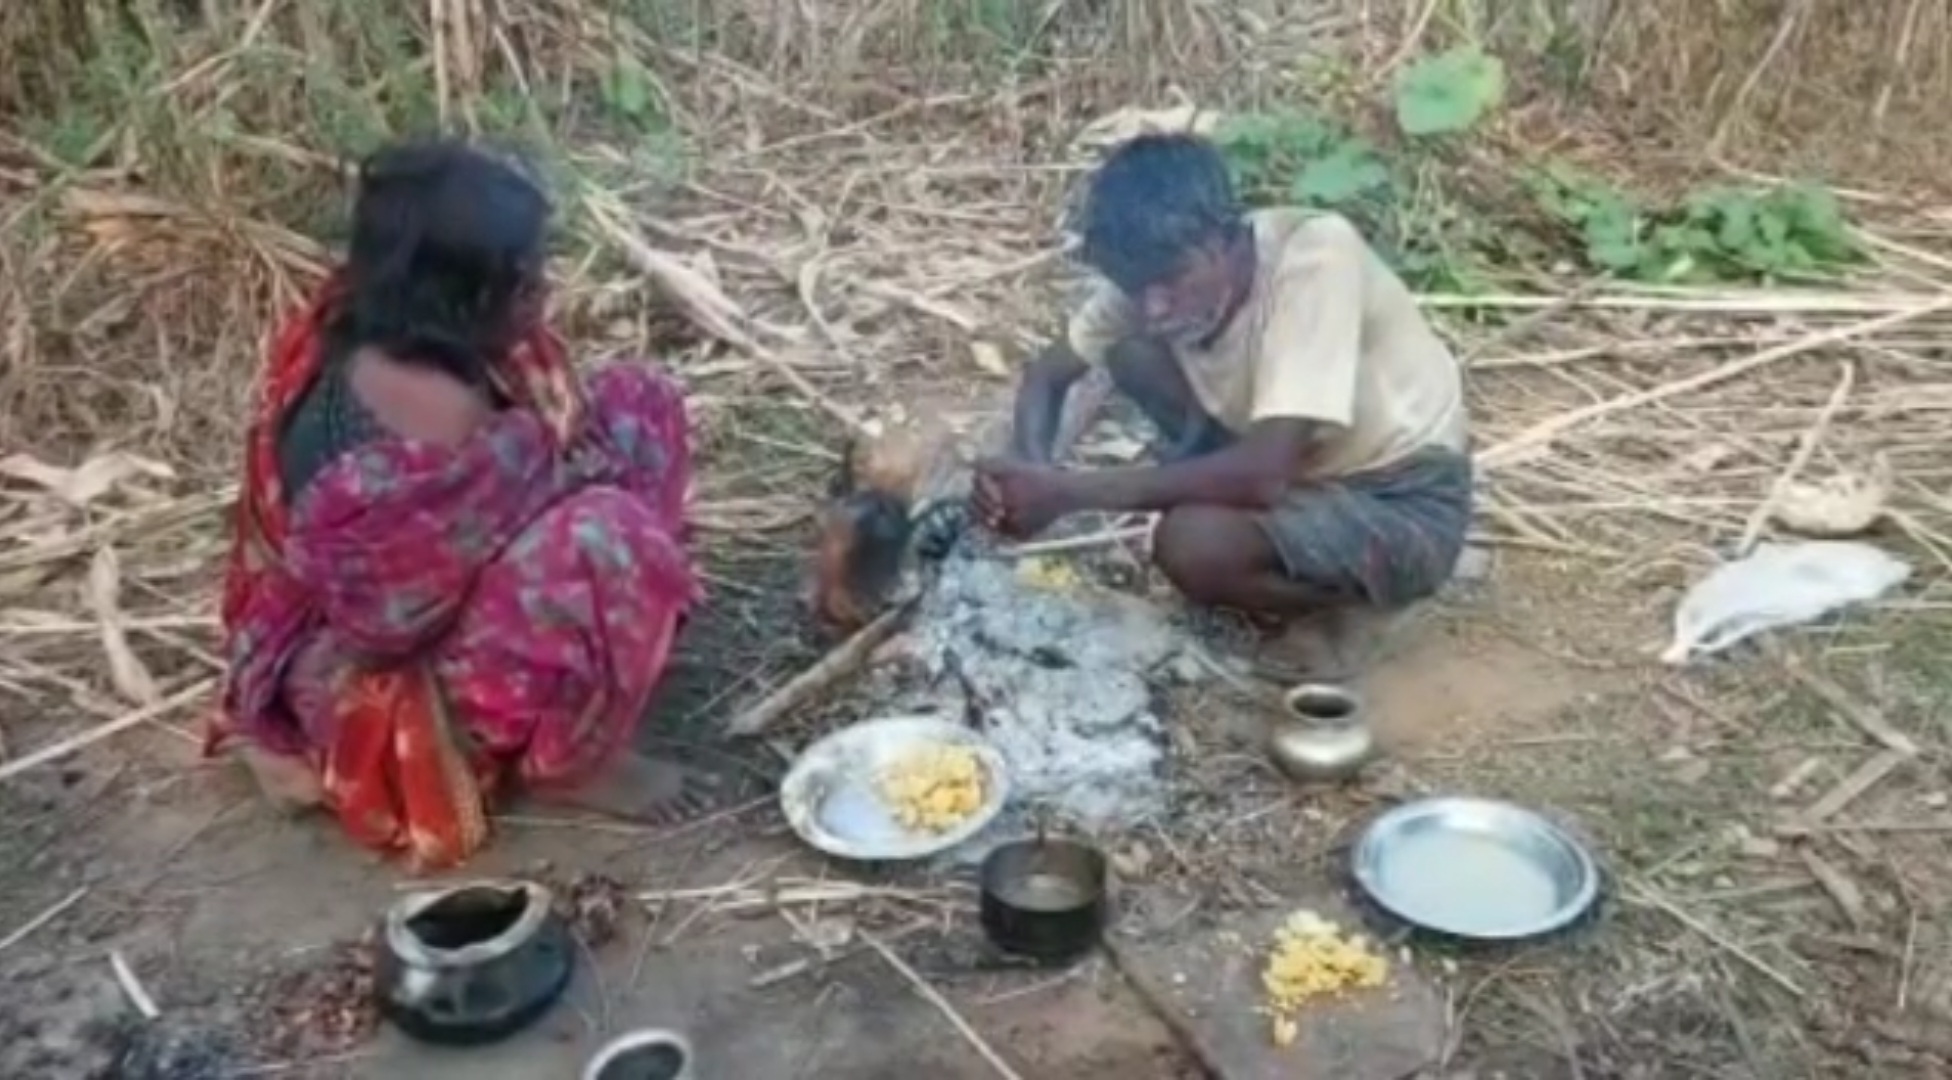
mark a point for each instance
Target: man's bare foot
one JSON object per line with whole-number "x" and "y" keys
{"x": 1337, "y": 645}
{"x": 639, "y": 788}
{"x": 289, "y": 784}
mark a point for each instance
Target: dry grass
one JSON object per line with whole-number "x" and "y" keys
{"x": 1808, "y": 85}
{"x": 824, "y": 209}
{"x": 1854, "y": 93}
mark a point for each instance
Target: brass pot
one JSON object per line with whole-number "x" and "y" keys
{"x": 1321, "y": 735}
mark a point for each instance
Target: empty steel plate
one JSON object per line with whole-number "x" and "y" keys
{"x": 1475, "y": 868}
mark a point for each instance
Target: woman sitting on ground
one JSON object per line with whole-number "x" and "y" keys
{"x": 458, "y": 568}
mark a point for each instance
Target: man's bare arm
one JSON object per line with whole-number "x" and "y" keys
{"x": 1252, "y": 473}
{"x": 1046, "y": 383}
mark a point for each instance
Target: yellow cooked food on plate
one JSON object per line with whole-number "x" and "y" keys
{"x": 1311, "y": 958}
{"x": 934, "y": 788}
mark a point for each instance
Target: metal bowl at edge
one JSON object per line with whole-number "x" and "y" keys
{"x": 1571, "y": 869}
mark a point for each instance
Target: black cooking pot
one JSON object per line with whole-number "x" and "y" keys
{"x": 1044, "y": 900}
{"x": 473, "y": 964}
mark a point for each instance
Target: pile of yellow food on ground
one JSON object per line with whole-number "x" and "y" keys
{"x": 934, "y": 788}
{"x": 1312, "y": 957}
{"x": 1051, "y": 575}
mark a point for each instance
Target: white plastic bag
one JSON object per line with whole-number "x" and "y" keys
{"x": 1779, "y": 585}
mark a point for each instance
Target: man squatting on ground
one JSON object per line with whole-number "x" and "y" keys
{"x": 1313, "y": 465}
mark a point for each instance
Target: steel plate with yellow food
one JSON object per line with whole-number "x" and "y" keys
{"x": 894, "y": 789}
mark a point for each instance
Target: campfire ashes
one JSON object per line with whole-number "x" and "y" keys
{"x": 1057, "y": 676}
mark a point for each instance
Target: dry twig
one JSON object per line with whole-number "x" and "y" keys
{"x": 74, "y": 743}
{"x": 942, "y": 1006}
{"x": 1647, "y": 897}
{"x": 1804, "y": 451}
{"x": 1542, "y": 433}
{"x": 1862, "y": 779}
{"x": 1868, "y": 720}
{"x": 48, "y": 915}
{"x": 138, "y": 996}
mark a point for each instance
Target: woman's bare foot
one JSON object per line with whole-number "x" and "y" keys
{"x": 289, "y": 784}
{"x": 639, "y": 788}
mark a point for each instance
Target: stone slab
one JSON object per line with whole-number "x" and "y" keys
{"x": 1212, "y": 980}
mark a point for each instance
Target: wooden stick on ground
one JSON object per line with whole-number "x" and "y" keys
{"x": 99, "y": 732}
{"x": 138, "y": 996}
{"x": 1647, "y": 897}
{"x": 53, "y": 912}
{"x": 942, "y": 1006}
{"x": 1685, "y": 300}
{"x": 845, "y": 659}
{"x": 1519, "y": 328}
{"x": 1805, "y": 450}
{"x": 1848, "y": 897}
{"x": 1866, "y": 776}
{"x": 1868, "y": 720}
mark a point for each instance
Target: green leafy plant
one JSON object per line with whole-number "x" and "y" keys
{"x": 1791, "y": 232}
{"x": 629, "y": 91}
{"x": 1347, "y": 172}
{"x": 1297, "y": 158}
{"x": 1449, "y": 92}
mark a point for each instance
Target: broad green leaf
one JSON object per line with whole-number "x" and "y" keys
{"x": 1348, "y": 172}
{"x": 1737, "y": 228}
{"x": 627, "y": 88}
{"x": 1678, "y": 269}
{"x": 1618, "y": 253}
{"x": 1448, "y": 92}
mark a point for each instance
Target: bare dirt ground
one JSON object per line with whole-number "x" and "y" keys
{"x": 1779, "y": 899}
{"x": 1721, "y": 952}
{"x": 244, "y": 926}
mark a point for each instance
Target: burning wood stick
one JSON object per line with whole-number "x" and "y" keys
{"x": 846, "y": 659}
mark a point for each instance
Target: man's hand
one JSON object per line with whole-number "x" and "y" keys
{"x": 1019, "y": 499}
{"x": 1251, "y": 473}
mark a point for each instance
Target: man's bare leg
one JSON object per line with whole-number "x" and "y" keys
{"x": 1221, "y": 557}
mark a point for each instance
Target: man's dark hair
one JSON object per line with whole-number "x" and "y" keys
{"x": 1154, "y": 200}
{"x": 447, "y": 240}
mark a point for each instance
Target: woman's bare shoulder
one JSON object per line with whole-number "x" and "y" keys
{"x": 416, "y": 401}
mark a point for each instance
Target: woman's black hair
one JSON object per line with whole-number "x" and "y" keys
{"x": 447, "y": 243}
{"x": 1156, "y": 199}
